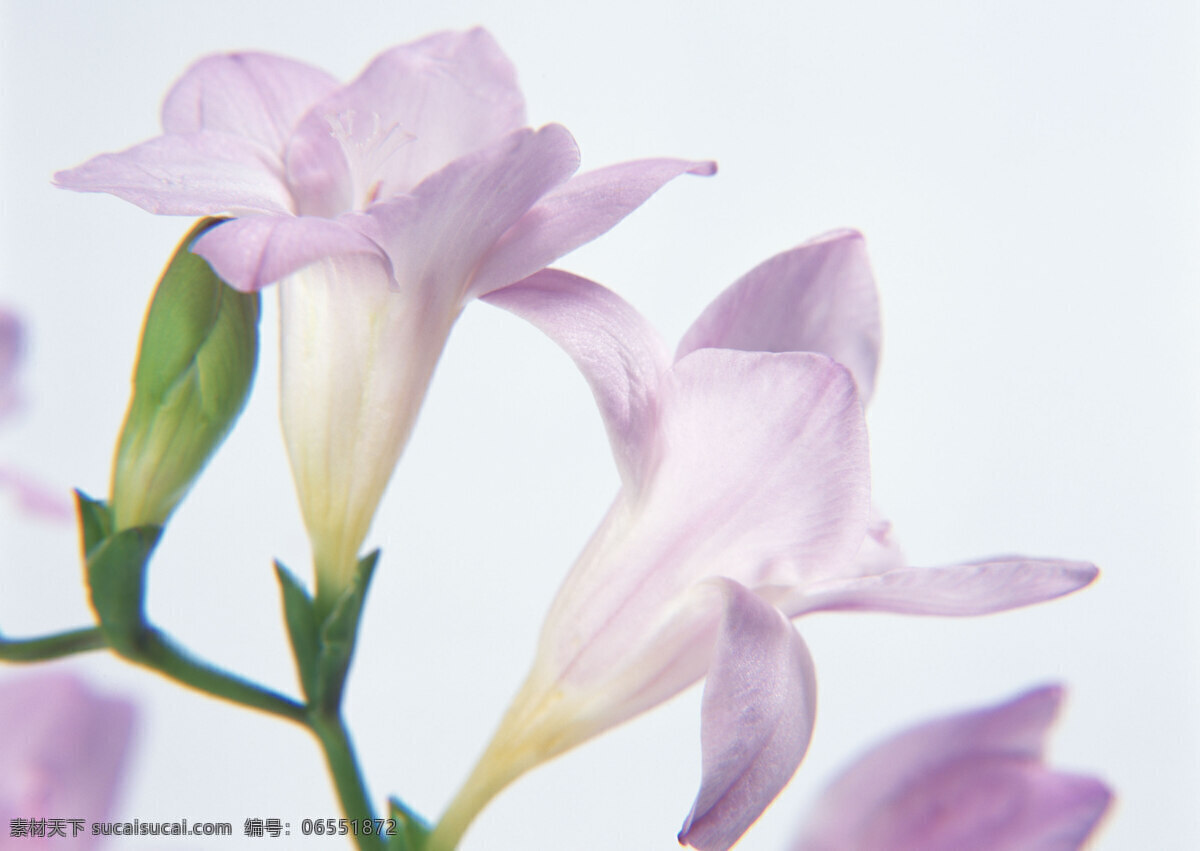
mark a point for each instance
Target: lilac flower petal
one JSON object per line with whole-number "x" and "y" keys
{"x": 413, "y": 110}
{"x": 577, "y": 212}
{"x": 437, "y": 235}
{"x": 786, "y": 497}
{"x": 971, "y": 780}
{"x": 62, "y": 751}
{"x": 757, "y": 719}
{"x": 252, "y": 252}
{"x": 617, "y": 351}
{"x": 253, "y": 95}
{"x": 818, "y": 297}
{"x": 973, "y": 588}
{"x": 197, "y": 174}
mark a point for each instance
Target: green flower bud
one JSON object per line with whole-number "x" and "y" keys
{"x": 195, "y": 366}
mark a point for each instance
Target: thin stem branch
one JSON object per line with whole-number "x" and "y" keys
{"x": 52, "y": 646}
{"x": 331, "y": 732}
{"x": 153, "y": 650}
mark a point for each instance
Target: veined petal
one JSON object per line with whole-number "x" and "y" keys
{"x": 254, "y": 95}
{"x": 577, "y": 212}
{"x": 972, "y": 780}
{"x": 436, "y": 236}
{"x": 356, "y": 355}
{"x": 973, "y": 588}
{"x": 818, "y": 297}
{"x": 413, "y": 110}
{"x": 785, "y": 496}
{"x": 252, "y": 252}
{"x": 760, "y": 702}
{"x": 615, "y": 348}
{"x": 197, "y": 174}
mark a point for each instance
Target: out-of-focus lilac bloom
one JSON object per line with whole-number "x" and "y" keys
{"x": 744, "y": 503}
{"x": 383, "y": 205}
{"x": 31, "y": 496}
{"x": 975, "y": 780}
{"x": 62, "y": 752}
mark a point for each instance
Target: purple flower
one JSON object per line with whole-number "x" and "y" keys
{"x": 975, "y": 780}
{"x": 62, "y": 751}
{"x": 32, "y": 497}
{"x": 744, "y": 503}
{"x": 383, "y": 205}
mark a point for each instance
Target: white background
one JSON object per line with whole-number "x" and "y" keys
{"x": 1026, "y": 176}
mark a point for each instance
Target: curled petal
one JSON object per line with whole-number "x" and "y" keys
{"x": 577, "y": 212}
{"x": 254, "y": 95}
{"x": 252, "y": 252}
{"x": 197, "y": 174}
{"x": 818, "y": 297}
{"x": 973, "y": 588}
{"x": 613, "y": 345}
{"x": 757, "y": 719}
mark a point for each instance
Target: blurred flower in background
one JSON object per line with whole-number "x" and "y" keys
{"x": 63, "y": 749}
{"x": 975, "y": 780}
{"x": 31, "y": 496}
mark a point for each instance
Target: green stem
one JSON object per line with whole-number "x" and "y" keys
{"x": 330, "y": 730}
{"x": 153, "y": 650}
{"x": 52, "y": 646}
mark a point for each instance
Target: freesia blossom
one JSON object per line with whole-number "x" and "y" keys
{"x": 975, "y": 780}
{"x": 62, "y": 751}
{"x": 381, "y": 206}
{"x": 32, "y": 496}
{"x": 743, "y": 503}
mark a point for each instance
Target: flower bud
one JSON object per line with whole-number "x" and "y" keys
{"x": 195, "y": 365}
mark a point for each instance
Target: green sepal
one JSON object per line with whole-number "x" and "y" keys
{"x": 339, "y": 633}
{"x": 116, "y": 571}
{"x": 301, "y": 620}
{"x": 196, "y": 362}
{"x": 412, "y": 831}
{"x": 95, "y": 521}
